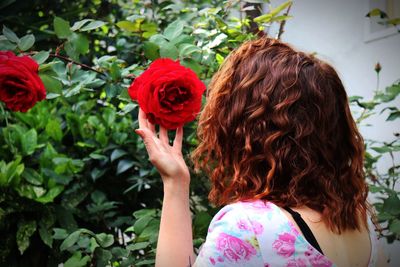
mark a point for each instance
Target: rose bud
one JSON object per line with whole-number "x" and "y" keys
{"x": 378, "y": 67}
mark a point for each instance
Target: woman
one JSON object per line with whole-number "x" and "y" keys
{"x": 285, "y": 158}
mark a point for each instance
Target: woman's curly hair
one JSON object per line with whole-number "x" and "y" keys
{"x": 277, "y": 126}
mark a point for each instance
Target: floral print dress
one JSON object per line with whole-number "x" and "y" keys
{"x": 259, "y": 234}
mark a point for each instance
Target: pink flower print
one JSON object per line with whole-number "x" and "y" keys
{"x": 284, "y": 245}
{"x": 296, "y": 263}
{"x": 258, "y": 228}
{"x": 233, "y": 248}
{"x": 220, "y": 259}
{"x": 212, "y": 260}
{"x": 220, "y": 216}
{"x": 243, "y": 225}
{"x": 320, "y": 261}
{"x": 310, "y": 251}
{"x": 253, "y": 226}
{"x": 259, "y": 204}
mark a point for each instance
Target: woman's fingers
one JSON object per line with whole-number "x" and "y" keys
{"x": 152, "y": 128}
{"x": 144, "y": 123}
{"x": 149, "y": 142}
{"x": 178, "y": 139}
{"x": 163, "y": 135}
{"x": 142, "y": 119}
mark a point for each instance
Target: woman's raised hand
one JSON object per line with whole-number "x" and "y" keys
{"x": 168, "y": 159}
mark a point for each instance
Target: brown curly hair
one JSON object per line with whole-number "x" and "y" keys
{"x": 277, "y": 126}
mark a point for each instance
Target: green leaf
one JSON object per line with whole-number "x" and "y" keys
{"x": 188, "y": 49}
{"x": 76, "y": 260}
{"x": 383, "y": 149}
{"x": 393, "y": 115}
{"x": 104, "y": 240}
{"x": 120, "y": 253}
{"x": 96, "y": 173}
{"x": 374, "y": 188}
{"x": 117, "y": 153}
{"x": 169, "y": 50}
{"x": 29, "y": 142}
{"x": 174, "y": 29}
{"x": 124, "y": 165}
{"x": 149, "y": 29}
{"x": 149, "y": 262}
{"x": 141, "y": 224}
{"x": 26, "y": 42}
{"x": 128, "y": 26}
{"x": 144, "y": 212}
{"x": 115, "y": 71}
{"x": 32, "y": 176}
{"x": 158, "y": 39}
{"x": 53, "y": 129}
{"x": 77, "y": 25}
{"x": 219, "y": 58}
{"x": 51, "y": 84}
{"x": 60, "y": 233}
{"x": 151, "y": 50}
{"x": 376, "y": 12}
{"x": 70, "y": 240}
{"x": 41, "y": 57}
{"x": 61, "y": 27}
{"x": 113, "y": 90}
{"x": 7, "y": 45}
{"x": 280, "y": 8}
{"x": 10, "y": 35}
{"x": 394, "y": 21}
{"x": 201, "y": 222}
{"x": 394, "y": 227}
{"x": 103, "y": 257}
{"x": 92, "y": 25}
{"x": 138, "y": 246}
{"x": 192, "y": 64}
{"x": 12, "y": 172}
{"x": 25, "y": 230}
{"x": 50, "y": 195}
{"x": 79, "y": 42}
{"x": 391, "y": 205}
{"x": 45, "y": 235}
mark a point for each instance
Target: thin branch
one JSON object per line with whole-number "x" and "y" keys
{"x": 283, "y": 23}
{"x": 56, "y": 55}
{"x": 76, "y": 63}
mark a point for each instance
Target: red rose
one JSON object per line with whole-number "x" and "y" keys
{"x": 168, "y": 93}
{"x": 20, "y": 84}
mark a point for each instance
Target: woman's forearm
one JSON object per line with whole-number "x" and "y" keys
{"x": 175, "y": 240}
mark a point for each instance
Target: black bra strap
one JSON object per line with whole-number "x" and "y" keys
{"x": 304, "y": 229}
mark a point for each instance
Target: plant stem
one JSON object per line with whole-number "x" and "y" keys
{"x": 5, "y": 114}
{"x": 76, "y": 63}
{"x": 283, "y": 23}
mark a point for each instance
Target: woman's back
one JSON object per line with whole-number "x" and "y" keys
{"x": 258, "y": 233}
{"x": 348, "y": 249}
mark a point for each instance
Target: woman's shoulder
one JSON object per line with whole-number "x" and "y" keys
{"x": 239, "y": 231}
{"x": 249, "y": 208}
{"x": 251, "y": 215}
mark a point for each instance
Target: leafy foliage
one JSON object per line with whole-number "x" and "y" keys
{"x": 383, "y": 182}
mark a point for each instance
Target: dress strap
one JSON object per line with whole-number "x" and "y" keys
{"x": 304, "y": 229}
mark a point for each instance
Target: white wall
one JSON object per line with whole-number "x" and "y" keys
{"x": 335, "y": 31}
